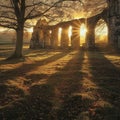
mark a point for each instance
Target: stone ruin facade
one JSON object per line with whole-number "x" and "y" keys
{"x": 41, "y": 35}
{"x": 114, "y": 22}
{"x": 45, "y": 36}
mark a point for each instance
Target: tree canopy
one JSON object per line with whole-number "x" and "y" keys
{"x": 55, "y": 10}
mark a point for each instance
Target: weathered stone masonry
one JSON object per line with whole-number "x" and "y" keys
{"x": 114, "y": 22}
{"x": 47, "y": 36}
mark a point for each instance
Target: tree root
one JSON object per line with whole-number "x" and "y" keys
{"x": 16, "y": 57}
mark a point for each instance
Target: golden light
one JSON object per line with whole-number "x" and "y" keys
{"x": 70, "y": 34}
{"x": 59, "y": 36}
{"x": 60, "y": 31}
{"x": 78, "y": 15}
{"x": 30, "y": 30}
{"x": 70, "y": 31}
{"x": 101, "y": 32}
{"x": 50, "y": 31}
{"x": 83, "y": 30}
{"x": 2, "y": 29}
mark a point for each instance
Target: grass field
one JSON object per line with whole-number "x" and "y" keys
{"x": 59, "y": 85}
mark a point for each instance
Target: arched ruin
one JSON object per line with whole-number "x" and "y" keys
{"x": 101, "y": 33}
{"x": 45, "y": 36}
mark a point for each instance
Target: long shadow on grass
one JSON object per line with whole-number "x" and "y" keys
{"x": 28, "y": 53}
{"x": 39, "y": 103}
{"x": 107, "y": 77}
{"x": 24, "y": 68}
{"x": 67, "y": 84}
{"x": 67, "y": 79}
{"x": 36, "y": 106}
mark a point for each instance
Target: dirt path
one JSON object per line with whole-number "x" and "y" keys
{"x": 70, "y": 85}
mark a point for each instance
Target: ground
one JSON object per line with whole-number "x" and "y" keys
{"x": 59, "y": 85}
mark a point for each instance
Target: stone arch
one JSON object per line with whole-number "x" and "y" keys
{"x": 40, "y": 35}
{"x": 91, "y": 24}
{"x": 75, "y": 38}
{"x": 101, "y": 34}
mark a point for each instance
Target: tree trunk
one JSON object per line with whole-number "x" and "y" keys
{"x": 19, "y": 44}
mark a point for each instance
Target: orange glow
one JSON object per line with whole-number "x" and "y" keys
{"x": 50, "y": 31}
{"x": 70, "y": 31}
{"x": 2, "y": 29}
{"x": 60, "y": 30}
{"x": 83, "y": 30}
{"x": 70, "y": 34}
{"x": 101, "y": 32}
{"x": 59, "y": 36}
{"x": 30, "y": 30}
{"x": 78, "y": 15}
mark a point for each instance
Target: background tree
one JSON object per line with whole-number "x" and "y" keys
{"x": 14, "y": 14}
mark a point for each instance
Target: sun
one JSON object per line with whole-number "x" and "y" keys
{"x": 30, "y": 30}
{"x": 70, "y": 31}
{"x": 83, "y": 30}
{"x": 59, "y": 36}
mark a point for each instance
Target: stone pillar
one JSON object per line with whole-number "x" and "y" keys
{"x": 114, "y": 22}
{"x": 111, "y": 31}
{"x": 47, "y": 38}
{"x": 75, "y": 38}
{"x": 118, "y": 24}
{"x": 90, "y": 35}
{"x": 64, "y": 36}
{"x": 41, "y": 38}
{"x": 54, "y": 37}
{"x": 111, "y": 21}
{"x": 90, "y": 38}
{"x": 34, "y": 42}
{"x": 119, "y": 41}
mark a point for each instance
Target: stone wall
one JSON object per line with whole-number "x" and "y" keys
{"x": 47, "y": 36}
{"x": 54, "y": 37}
{"x": 43, "y": 38}
{"x": 91, "y": 24}
{"x": 40, "y": 37}
{"x": 114, "y": 22}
